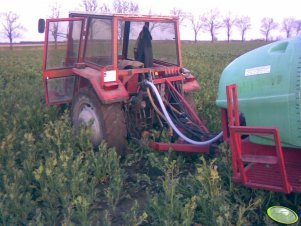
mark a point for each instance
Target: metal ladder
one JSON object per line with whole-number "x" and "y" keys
{"x": 255, "y": 165}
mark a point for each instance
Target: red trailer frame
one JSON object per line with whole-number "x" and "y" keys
{"x": 274, "y": 168}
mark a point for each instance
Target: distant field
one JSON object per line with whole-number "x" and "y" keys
{"x": 47, "y": 177}
{"x": 21, "y": 44}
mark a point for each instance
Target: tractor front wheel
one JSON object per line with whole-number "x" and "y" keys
{"x": 106, "y": 120}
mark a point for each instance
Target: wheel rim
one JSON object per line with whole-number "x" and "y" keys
{"x": 88, "y": 117}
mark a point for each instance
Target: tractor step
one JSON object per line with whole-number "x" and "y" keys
{"x": 262, "y": 159}
{"x": 247, "y": 154}
{"x": 268, "y": 176}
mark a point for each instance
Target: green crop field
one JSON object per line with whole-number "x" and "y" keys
{"x": 49, "y": 177}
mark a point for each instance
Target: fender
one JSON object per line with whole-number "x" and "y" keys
{"x": 191, "y": 84}
{"x": 106, "y": 96}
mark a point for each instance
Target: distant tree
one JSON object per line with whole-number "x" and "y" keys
{"x": 243, "y": 24}
{"x": 124, "y": 6}
{"x": 210, "y": 22}
{"x": 229, "y": 21}
{"x": 90, "y": 5}
{"x": 153, "y": 25}
{"x": 55, "y": 10}
{"x": 288, "y": 25}
{"x": 11, "y": 28}
{"x": 298, "y": 26}
{"x": 179, "y": 13}
{"x": 267, "y": 25}
{"x": 54, "y": 29}
{"x": 104, "y": 8}
{"x": 196, "y": 25}
{"x": 93, "y": 6}
{"x": 163, "y": 26}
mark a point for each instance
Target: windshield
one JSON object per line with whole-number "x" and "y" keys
{"x": 163, "y": 41}
{"x": 63, "y": 43}
{"x": 99, "y": 42}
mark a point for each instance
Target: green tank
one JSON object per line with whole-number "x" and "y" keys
{"x": 269, "y": 89}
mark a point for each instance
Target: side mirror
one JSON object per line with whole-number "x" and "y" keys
{"x": 41, "y": 26}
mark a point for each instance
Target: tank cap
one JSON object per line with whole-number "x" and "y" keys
{"x": 282, "y": 215}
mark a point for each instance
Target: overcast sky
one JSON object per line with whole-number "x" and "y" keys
{"x": 31, "y": 10}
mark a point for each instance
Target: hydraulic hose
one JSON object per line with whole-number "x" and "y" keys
{"x": 170, "y": 122}
{"x": 154, "y": 105}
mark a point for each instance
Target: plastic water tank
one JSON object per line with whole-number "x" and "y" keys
{"x": 269, "y": 89}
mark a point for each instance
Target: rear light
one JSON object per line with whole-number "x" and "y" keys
{"x": 109, "y": 79}
{"x": 110, "y": 86}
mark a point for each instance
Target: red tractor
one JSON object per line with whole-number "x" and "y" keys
{"x": 123, "y": 75}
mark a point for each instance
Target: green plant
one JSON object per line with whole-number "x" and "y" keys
{"x": 107, "y": 170}
{"x": 212, "y": 200}
{"x": 169, "y": 207}
{"x": 114, "y": 190}
{"x": 244, "y": 209}
{"x": 50, "y": 177}
{"x": 134, "y": 217}
{"x": 106, "y": 220}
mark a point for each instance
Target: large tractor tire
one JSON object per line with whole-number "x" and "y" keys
{"x": 107, "y": 120}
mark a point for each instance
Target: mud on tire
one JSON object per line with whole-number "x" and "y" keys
{"x": 107, "y": 120}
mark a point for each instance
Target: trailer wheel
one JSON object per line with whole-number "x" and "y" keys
{"x": 107, "y": 120}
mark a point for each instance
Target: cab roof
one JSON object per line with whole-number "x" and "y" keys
{"x": 124, "y": 16}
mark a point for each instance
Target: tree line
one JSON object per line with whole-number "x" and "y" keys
{"x": 211, "y": 22}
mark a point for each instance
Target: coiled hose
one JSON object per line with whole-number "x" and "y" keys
{"x": 170, "y": 122}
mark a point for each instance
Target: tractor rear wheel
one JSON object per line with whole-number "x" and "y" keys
{"x": 106, "y": 120}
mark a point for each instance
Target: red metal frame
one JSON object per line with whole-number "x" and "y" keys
{"x": 47, "y": 33}
{"x": 117, "y": 94}
{"x": 189, "y": 148}
{"x": 180, "y": 146}
{"x": 188, "y": 107}
{"x": 274, "y": 168}
{"x": 172, "y": 19}
{"x": 58, "y": 72}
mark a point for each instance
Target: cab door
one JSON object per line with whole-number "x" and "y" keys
{"x": 63, "y": 39}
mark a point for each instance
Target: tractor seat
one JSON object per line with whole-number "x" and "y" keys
{"x": 128, "y": 64}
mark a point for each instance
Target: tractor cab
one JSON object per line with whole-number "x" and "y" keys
{"x": 124, "y": 74}
{"x": 116, "y": 44}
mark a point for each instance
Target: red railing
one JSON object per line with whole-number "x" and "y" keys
{"x": 270, "y": 167}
